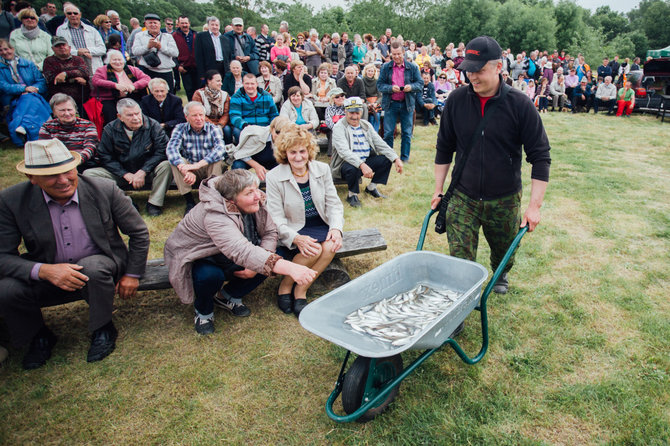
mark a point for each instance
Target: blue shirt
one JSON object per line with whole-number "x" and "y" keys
{"x": 187, "y": 145}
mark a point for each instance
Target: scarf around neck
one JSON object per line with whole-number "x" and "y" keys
{"x": 30, "y": 34}
{"x": 111, "y": 76}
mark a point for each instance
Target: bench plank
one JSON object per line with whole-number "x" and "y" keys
{"x": 353, "y": 243}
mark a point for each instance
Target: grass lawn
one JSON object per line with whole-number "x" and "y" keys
{"x": 578, "y": 349}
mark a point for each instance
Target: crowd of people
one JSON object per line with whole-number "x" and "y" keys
{"x": 253, "y": 101}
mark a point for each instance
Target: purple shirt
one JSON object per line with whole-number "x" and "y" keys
{"x": 398, "y": 78}
{"x": 571, "y": 80}
{"x": 72, "y": 239}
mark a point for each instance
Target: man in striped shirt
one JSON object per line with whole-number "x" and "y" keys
{"x": 195, "y": 151}
{"x": 79, "y": 135}
{"x": 359, "y": 151}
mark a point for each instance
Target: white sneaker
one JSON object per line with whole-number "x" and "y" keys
{"x": 21, "y": 130}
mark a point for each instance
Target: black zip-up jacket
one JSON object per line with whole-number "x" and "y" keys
{"x": 120, "y": 156}
{"x": 493, "y": 168}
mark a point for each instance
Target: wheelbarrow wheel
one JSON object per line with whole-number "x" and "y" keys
{"x": 353, "y": 387}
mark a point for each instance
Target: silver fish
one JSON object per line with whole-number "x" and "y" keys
{"x": 400, "y": 318}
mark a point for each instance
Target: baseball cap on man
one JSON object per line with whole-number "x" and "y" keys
{"x": 353, "y": 104}
{"x": 58, "y": 40}
{"x": 47, "y": 157}
{"x": 478, "y": 51}
{"x": 238, "y": 21}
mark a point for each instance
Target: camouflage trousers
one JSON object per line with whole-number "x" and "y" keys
{"x": 499, "y": 219}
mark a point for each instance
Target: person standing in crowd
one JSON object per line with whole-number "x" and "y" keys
{"x": 185, "y": 38}
{"x": 313, "y": 52}
{"x": 398, "y": 82}
{"x": 264, "y": 44}
{"x": 84, "y": 40}
{"x": 132, "y": 153}
{"x": 117, "y": 25}
{"x": 84, "y": 259}
{"x": 212, "y": 50}
{"x": 488, "y": 193}
{"x": 156, "y": 50}
{"x": 243, "y": 47}
{"x": 335, "y": 52}
{"x": 29, "y": 41}
{"x": 348, "y": 50}
{"x": 49, "y": 14}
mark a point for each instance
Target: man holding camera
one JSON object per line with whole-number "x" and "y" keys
{"x": 488, "y": 192}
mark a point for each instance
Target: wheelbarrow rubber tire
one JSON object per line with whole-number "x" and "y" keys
{"x": 353, "y": 386}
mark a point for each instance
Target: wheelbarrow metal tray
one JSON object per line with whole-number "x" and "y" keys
{"x": 325, "y": 316}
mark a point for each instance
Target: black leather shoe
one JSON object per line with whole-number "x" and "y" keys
{"x": 298, "y": 306}
{"x": 40, "y": 349}
{"x": 285, "y": 303}
{"x": 153, "y": 210}
{"x": 103, "y": 341}
{"x": 375, "y": 193}
{"x": 353, "y": 201}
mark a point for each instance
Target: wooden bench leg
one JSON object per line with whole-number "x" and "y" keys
{"x": 335, "y": 275}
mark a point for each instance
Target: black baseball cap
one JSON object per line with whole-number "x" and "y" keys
{"x": 478, "y": 51}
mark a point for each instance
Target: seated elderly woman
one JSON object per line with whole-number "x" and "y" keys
{"x": 256, "y": 147}
{"x": 304, "y": 205}
{"x": 228, "y": 236}
{"x": 269, "y": 82}
{"x": 162, "y": 105}
{"x": 29, "y": 41}
{"x": 216, "y": 102}
{"x": 232, "y": 81}
{"x": 334, "y": 113}
{"x": 322, "y": 83}
{"x": 118, "y": 80}
{"x": 299, "y": 110}
{"x": 21, "y": 85}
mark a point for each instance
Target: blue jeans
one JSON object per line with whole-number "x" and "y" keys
{"x": 398, "y": 112}
{"x": 373, "y": 118}
{"x": 208, "y": 278}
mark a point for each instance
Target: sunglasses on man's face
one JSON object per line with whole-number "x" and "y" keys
{"x": 71, "y": 13}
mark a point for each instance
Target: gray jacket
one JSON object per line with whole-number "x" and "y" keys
{"x": 342, "y": 151}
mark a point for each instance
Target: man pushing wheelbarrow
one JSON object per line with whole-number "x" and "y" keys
{"x": 485, "y": 124}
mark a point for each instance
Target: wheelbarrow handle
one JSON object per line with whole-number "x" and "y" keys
{"x": 424, "y": 228}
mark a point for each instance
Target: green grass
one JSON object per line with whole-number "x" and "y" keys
{"x": 578, "y": 348}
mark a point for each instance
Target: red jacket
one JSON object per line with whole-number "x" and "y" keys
{"x": 186, "y": 55}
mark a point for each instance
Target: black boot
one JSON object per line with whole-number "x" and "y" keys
{"x": 190, "y": 202}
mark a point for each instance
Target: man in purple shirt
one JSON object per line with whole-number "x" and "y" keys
{"x": 70, "y": 228}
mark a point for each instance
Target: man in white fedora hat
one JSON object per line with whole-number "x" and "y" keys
{"x": 70, "y": 228}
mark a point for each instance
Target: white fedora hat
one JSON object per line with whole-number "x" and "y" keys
{"x": 47, "y": 157}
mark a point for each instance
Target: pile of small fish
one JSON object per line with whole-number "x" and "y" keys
{"x": 397, "y": 319}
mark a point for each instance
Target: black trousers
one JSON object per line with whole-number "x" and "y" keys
{"x": 169, "y": 77}
{"x": 21, "y": 301}
{"x": 190, "y": 81}
{"x": 379, "y": 164}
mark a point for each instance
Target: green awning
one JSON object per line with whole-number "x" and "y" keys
{"x": 665, "y": 52}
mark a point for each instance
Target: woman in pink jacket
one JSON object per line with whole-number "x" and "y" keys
{"x": 117, "y": 80}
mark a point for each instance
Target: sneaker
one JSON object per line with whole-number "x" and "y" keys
{"x": 204, "y": 326}
{"x": 502, "y": 285}
{"x": 20, "y": 130}
{"x": 353, "y": 201}
{"x": 238, "y": 309}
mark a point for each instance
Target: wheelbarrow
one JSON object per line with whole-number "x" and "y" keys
{"x": 371, "y": 383}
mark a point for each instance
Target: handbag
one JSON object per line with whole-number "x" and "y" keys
{"x": 441, "y": 220}
{"x": 151, "y": 58}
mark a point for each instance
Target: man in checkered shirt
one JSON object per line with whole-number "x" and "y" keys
{"x": 195, "y": 151}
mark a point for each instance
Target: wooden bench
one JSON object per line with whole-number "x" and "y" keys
{"x": 353, "y": 243}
